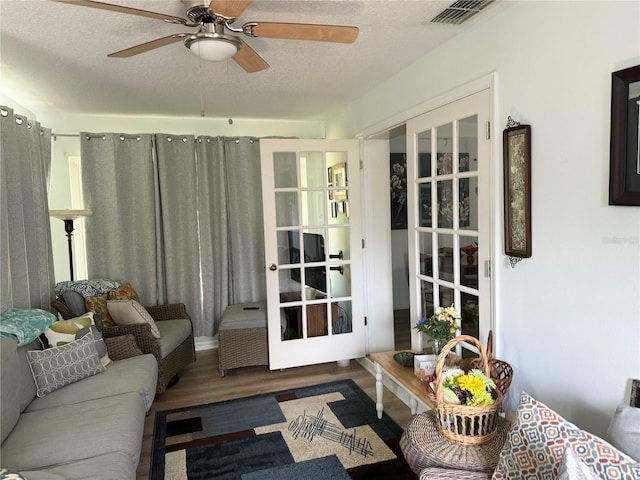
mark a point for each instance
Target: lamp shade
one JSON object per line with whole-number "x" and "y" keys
{"x": 72, "y": 214}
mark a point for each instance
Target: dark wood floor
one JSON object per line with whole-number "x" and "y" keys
{"x": 200, "y": 383}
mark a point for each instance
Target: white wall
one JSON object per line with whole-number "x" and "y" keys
{"x": 568, "y": 319}
{"x": 64, "y": 147}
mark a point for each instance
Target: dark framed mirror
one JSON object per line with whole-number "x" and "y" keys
{"x": 624, "y": 166}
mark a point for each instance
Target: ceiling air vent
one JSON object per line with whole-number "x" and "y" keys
{"x": 460, "y": 11}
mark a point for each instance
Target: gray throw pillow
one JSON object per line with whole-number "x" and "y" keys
{"x": 75, "y": 302}
{"x": 56, "y": 367}
{"x": 101, "y": 347}
{"x": 624, "y": 431}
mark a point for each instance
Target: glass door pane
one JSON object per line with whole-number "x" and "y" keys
{"x": 449, "y": 218}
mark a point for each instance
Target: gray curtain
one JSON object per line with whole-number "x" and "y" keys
{"x": 25, "y": 238}
{"x": 214, "y": 231}
{"x": 207, "y": 208}
{"x": 179, "y": 204}
{"x": 119, "y": 185}
{"x": 246, "y": 227}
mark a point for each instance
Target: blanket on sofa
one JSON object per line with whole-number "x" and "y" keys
{"x": 25, "y": 325}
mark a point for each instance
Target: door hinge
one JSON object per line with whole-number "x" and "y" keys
{"x": 361, "y": 165}
{"x": 365, "y": 321}
{"x": 487, "y": 268}
{"x": 363, "y": 243}
{"x": 488, "y": 130}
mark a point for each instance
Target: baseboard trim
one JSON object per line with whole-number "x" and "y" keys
{"x": 206, "y": 343}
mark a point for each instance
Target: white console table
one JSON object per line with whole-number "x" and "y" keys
{"x": 401, "y": 376}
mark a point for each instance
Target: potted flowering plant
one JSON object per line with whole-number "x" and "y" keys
{"x": 440, "y": 327}
{"x": 473, "y": 388}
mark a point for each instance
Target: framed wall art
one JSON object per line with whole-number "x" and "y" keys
{"x": 340, "y": 180}
{"x": 517, "y": 191}
{"x": 398, "y": 184}
{"x": 624, "y": 161}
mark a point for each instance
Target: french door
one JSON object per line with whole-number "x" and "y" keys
{"x": 449, "y": 210}
{"x": 313, "y": 250}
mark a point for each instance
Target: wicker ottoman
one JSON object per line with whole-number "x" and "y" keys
{"x": 242, "y": 336}
{"x": 422, "y": 447}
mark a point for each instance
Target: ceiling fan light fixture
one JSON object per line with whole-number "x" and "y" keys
{"x": 212, "y": 47}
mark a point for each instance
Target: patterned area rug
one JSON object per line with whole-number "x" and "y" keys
{"x": 327, "y": 431}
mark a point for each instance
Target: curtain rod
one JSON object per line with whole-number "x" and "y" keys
{"x": 137, "y": 137}
{"x": 56, "y": 135}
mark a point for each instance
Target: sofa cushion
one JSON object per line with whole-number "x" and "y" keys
{"x": 129, "y": 312}
{"x": 538, "y": 440}
{"x": 624, "y": 431}
{"x": 110, "y": 466}
{"x": 132, "y": 375}
{"x": 96, "y": 427}
{"x": 27, "y": 384}
{"x": 98, "y": 341}
{"x": 172, "y": 334}
{"x": 64, "y": 331}
{"x": 9, "y": 386}
{"x": 56, "y": 367}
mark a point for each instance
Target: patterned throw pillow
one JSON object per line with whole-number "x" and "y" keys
{"x": 64, "y": 331}
{"x": 129, "y": 312}
{"x": 98, "y": 305}
{"x": 537, "y": 442}
{"x": 571, "y": 468}
{"x": 123, "y": 292}
{"x": 56, "y": 367}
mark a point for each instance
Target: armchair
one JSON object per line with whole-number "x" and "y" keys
{"x": 174, "y": 350}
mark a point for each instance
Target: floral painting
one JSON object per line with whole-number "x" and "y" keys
{"x": 398, "y": 186}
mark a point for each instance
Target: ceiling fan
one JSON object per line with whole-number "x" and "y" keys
{"x": 212, "y": 43}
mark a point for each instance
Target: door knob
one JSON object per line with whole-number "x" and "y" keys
{"x": 273, "y": 267}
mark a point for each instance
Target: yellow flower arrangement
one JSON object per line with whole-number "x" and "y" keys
{"x": 442, "y": 325}
{"x": 473, "y": 388}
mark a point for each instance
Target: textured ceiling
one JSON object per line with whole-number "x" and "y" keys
{"x": 54, "y": 58}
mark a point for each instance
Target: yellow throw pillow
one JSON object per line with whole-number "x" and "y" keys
{"x": 64, "y": 331}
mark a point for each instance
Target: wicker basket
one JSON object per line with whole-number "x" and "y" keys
{"x": 462, "y": 423}
{"x": 501, "y": 372}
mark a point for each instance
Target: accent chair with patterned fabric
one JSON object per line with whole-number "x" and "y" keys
{"x": 165, "y": 331}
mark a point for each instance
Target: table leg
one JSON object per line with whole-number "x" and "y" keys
{"x": 379, "y": 389}
{"x": 413, "y": 403}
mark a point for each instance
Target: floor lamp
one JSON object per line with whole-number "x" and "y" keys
{"x": 68, "y": 216}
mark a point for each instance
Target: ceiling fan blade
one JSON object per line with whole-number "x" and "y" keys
{"x": 123, "y": 9}
{"x": 145, "y": 47}
{"x": 301, "y": 31}
{"x": 248, "y": 59}
{"x": 229, "y": 8}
